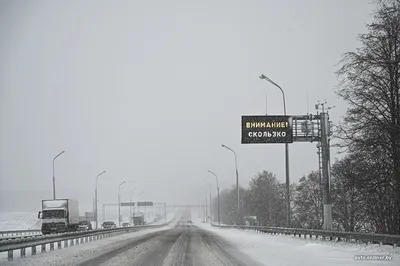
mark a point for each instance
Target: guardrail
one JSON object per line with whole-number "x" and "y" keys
{"x": 69, "y": 239}
{"x": 381, "y": 239}
{"x": 4, "y": 234}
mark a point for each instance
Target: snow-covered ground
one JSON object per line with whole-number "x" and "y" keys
{"x": 73, "y": 254}
{"x": 290, "y": 251}
{"x": 271, "y": 250}
{"x": 10, "y": 221}
{"x": 18, "y": 221}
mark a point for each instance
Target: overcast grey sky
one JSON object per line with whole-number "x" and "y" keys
{"x": 149, "y": 90}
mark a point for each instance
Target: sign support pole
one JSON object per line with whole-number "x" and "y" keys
{"x": 326, "y": 171}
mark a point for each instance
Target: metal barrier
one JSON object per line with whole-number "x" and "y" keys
{"x": 4, "y": 234}
{"x": 69, "y": 239}
{"x": 381, "y": 239}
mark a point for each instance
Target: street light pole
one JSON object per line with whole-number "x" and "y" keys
{"x": 130, "y": 207}
{"x": 54, "y": 178}
{"x": 206, "y": 210}
{"x": 119, "y": 204}
{"x": 216, "y": 177}
{"x": 237, "y": 184}
{"x": 286, "y": 153}
{"x": 95, "y": 192}
{"x": 138, "y": 209}
{"x": 210, "y": 201}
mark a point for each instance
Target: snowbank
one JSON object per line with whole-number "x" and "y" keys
{"x": 290, "y": 251}
{"x": 18, "y": 221}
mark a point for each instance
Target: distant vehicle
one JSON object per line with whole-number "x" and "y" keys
{"x": 138, "y": 219}
{"x": 158, "y": 217}
{"x": 59, "y": 216}
{"x": 125, "y": 225}
{"x": 84, "y": 226}
{"x": 108, "y": 224}
{"x": 250, "y": 221}
{"x": 188, "y": 223}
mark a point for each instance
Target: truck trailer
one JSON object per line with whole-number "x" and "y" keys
{"x": 59, "y": 216}
{"x": 138, "y": 219}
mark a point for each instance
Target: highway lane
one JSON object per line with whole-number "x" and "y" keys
{"x": 184, "y": 244}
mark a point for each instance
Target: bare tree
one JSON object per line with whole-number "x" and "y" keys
{"x": 370, "y": 83}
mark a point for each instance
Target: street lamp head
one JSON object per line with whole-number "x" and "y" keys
{"x": 101, "y": 173}
{"x": 211, "y": 172}
{"x": 58, "y": 155}
{"x": 223, "y": 146}
{"x": 262, "y": 76}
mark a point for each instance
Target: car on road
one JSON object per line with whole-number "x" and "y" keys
{"x": 84, "y": 226}
{"x": 109, "y": 224}
{"x": 125, "y": 225}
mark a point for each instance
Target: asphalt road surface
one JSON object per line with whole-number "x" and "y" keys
{"x": 185, "y": 245}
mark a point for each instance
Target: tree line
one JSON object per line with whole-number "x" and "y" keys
{"x": 365, "y": 183}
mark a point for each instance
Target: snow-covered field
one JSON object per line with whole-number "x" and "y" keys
{"x": 10, "y": 221}
{"x": 18, "y": 221}
{"x": 290, "y": 251}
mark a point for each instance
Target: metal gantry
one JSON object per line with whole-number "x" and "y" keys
{"x": 317, "y": 128}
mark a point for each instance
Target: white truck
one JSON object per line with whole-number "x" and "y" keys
{"x": 59, "y": 216}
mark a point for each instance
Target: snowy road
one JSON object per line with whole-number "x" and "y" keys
{"x": 183, "y": 243}
{"x": 179, "y": 244}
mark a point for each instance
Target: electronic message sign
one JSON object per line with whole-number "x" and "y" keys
{"x": 267, "y": 129}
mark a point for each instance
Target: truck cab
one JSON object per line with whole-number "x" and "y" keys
{"x": 59, "y": 216}
{"x": 53, "y": 221}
